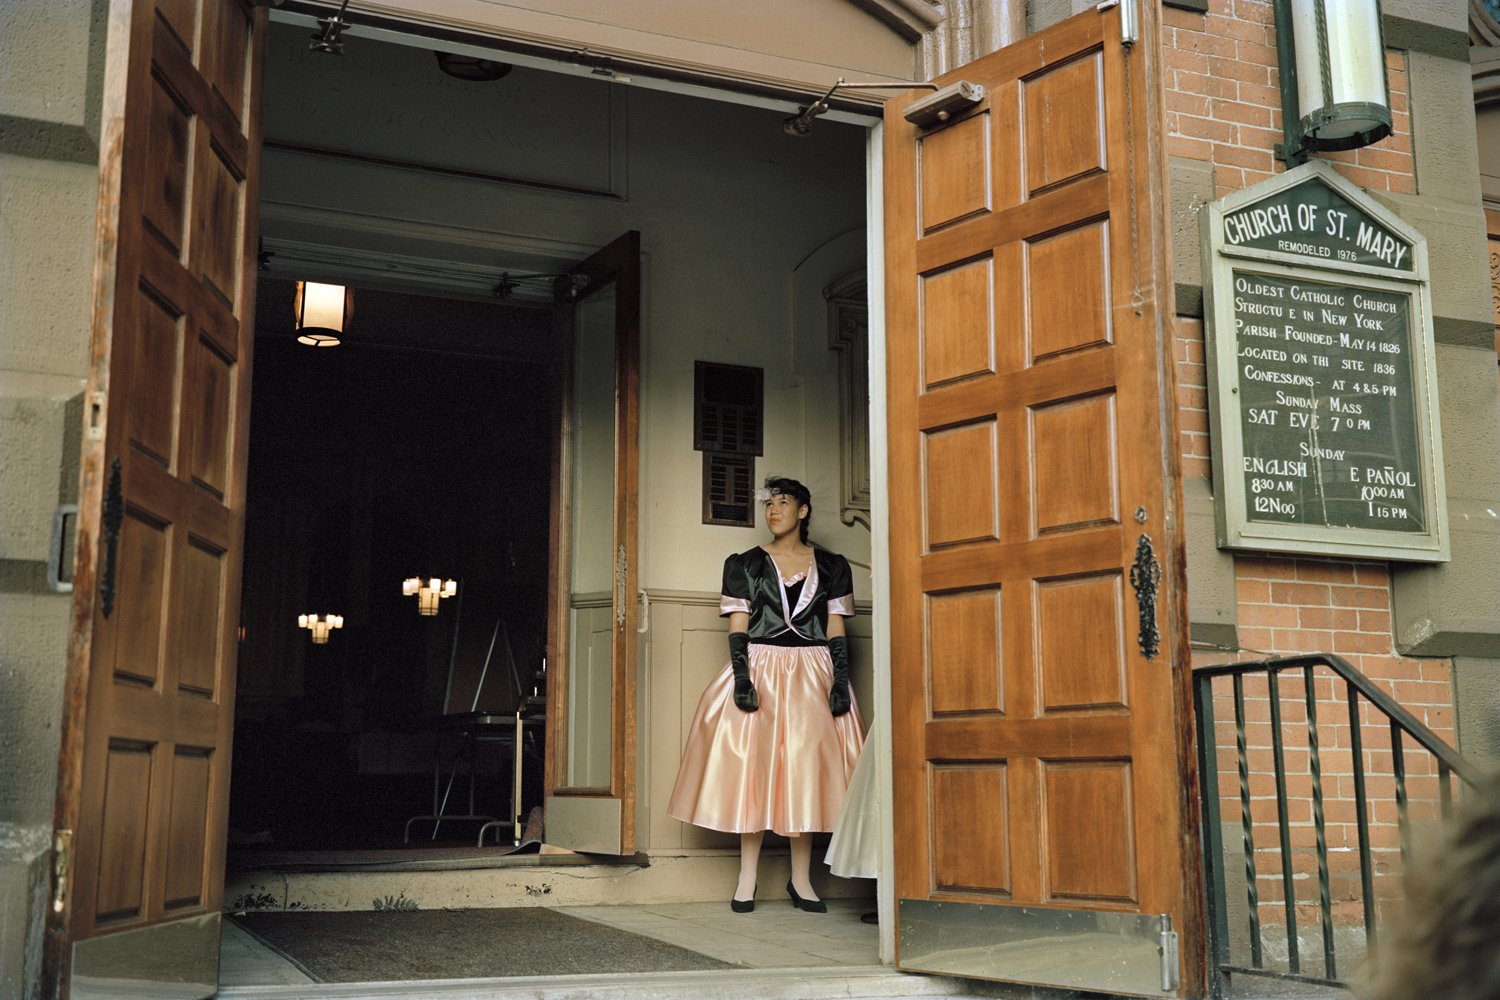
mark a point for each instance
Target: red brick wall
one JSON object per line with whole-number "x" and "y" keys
{"x": 1223, "y": 101}
{"x": 1223, "y": 107}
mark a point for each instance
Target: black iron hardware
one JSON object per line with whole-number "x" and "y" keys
{"x": 1144, "y": 576}
{"x": 114, "y": 517}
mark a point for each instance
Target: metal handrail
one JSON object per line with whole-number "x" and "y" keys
{"x": 1403, "y": 725}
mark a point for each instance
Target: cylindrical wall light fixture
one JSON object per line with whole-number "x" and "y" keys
{"x": 428, "y": 592}
{"x": 321, "y": 313}
{"x": 1334, "y": 91}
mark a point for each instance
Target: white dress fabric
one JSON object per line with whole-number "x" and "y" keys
{"x": 854, "y": 850}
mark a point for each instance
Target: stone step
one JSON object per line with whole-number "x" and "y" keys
{"x": 748, "y": 984}
{"x": 844, "y": 983}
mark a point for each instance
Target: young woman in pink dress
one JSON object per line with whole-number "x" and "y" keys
{"x": 777, "y": 734}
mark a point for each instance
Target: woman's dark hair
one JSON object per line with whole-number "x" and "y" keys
{"x": 799, "y": 493}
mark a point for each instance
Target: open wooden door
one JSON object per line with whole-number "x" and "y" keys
{"x": 144, "y": 769}
{"x": 591, "y": 627}
{"x": 1045, "y": 830}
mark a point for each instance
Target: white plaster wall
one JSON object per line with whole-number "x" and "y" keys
{"x": 46, "y": 238}
{"x": 44, "y": 60}
{"x": 801, "y": 43}
{"x": 46, "y": 257}
{"x": 47, "y": 229}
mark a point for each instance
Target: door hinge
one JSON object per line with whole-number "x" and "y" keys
{"x": 1168, "y": 949}
{"x": 1130, "y": 19}
{"x": 62, "y": 861}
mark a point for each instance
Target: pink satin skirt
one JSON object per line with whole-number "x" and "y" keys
{"x": 784, "y": 767}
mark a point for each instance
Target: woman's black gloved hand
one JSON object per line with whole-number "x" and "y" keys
{"x": 739, "y": 662}
{"x": 838, "y": 695}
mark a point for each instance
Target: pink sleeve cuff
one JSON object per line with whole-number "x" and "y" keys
{"x": 729, "y": 605}
{"x": 842, "y": 606}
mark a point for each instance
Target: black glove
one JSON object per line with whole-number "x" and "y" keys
{"x": 739, "y": 662}
{"x": 838, "y": 695}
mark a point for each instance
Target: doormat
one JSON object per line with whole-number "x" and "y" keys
{"x": 386, "y": 945}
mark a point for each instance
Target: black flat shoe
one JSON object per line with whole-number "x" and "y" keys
{"x": 741, "y": 905}
{"x": 810, "y": 905}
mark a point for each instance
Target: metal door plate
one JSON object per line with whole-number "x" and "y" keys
{"x": 1072, "y": 949}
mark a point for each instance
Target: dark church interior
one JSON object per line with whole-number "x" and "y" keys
{"x": 418, "y": 447}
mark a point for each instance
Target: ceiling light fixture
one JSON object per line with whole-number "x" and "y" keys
{"x": 473, "y": 68}
{"x": 321, "y": 313}
{"x": 328, "y": 37}
{"x": 320, "y": 626}
{"x": 428, "y": 592}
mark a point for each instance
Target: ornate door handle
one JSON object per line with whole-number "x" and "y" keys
{"x": 1144, "y": 576}
{"x": 114, "y": 517}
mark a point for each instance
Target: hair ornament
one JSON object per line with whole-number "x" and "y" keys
{"x": 762, "y": 495}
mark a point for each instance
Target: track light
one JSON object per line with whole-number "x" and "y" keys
{"x": 327, "y": 38}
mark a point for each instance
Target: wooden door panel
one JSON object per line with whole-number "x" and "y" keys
{"x": 1074, "y": 472}
{"x": 157, "y": 337}
{"x": 1027, "y": 376}
{"x": 1081, "y": 644}
{"x": 952, "y": 188}
{"x": 1076, "y": 259}
{"x": 143, "y": 784}
{"x": 1100, "y": 866}
{"x": 168, "y": 140}
{"x": 970, "y": 848}
{"x": 1071, "y": 92}
{"x": 199, "y": 618}
{"x": 958, "y": 623}
{"x": 120, "y": 893}
{"x": 145, "y": 543}
{"x": 216, "y": 243}
{"x": 959, "y": 486}
{"x": 225, "y": 64}
{"x": 955, "y": 337}
{"x": 210, "y": 403}
{"x": 187, "y": 836}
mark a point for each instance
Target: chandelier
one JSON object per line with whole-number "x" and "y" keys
{"x": 320, "y": 626}
{"x": 428, "y": 592}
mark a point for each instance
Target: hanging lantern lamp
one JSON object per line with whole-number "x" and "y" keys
{"x": 321, "y": 313}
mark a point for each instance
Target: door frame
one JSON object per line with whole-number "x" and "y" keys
{"x": 867, "y": 117}
{"x": 674, "y": 79}
{"x": 617, "y": 265}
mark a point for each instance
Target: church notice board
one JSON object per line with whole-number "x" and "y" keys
{"x": 1322, "y": 394}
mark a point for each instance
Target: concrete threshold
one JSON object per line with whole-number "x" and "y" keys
{"x": 844, "y": 983}
{"x": 736, "y": 984}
